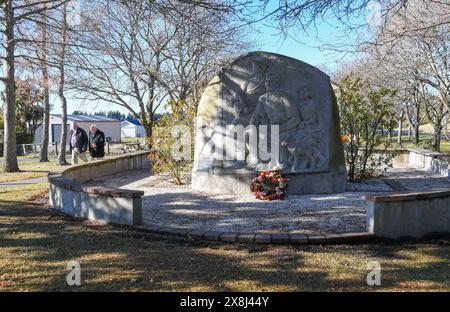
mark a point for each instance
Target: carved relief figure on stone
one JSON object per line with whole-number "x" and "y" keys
{"x": 241, "y": 83}
{"x": 307, "y": 149}
{"x": 239, "y": 107}
{"x": 275, "y": 107}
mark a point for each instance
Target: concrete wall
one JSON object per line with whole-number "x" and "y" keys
{"x": 412, "y": 215}
{"x": 409, "y": 215}
{"x": 422, "y": 159}
{"x": 102, "y": 208}
{"x": 92, "y": 170}
{"x": 68, "y": 194}
{"x": 429, "y": 160}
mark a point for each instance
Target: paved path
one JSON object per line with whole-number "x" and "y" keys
{"x": 24, "y": 182}
{"x": 28, "y": 159}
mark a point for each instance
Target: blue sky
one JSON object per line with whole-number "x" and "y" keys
{"x": 307, "y": 47}
{"x": 318, "y": 45}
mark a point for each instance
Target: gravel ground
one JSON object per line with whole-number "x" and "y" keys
{"x": 178, "y": 206}
{"x": 369, "y": 186}
{"x": 417, "y": 179}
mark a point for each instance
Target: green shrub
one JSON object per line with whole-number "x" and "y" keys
{"x": 166, "y": 148}
{"x": 364, "y": 111}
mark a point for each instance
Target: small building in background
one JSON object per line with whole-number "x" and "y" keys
{"x": 109, "y": 126}
{"x": 132, "y": 128}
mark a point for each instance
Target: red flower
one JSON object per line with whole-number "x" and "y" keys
{"x": 269, "y": 185}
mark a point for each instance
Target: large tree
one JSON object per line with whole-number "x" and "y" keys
{"x": 61, "y": 58}
{"x": 408, "y": 52}
{"x": 293, "y": 15}
{"x": 13, "y": 15}
{"x": 140, "y": 54}
{"x": 51, "y": 33}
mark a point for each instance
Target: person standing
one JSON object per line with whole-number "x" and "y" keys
{"x": 78, "y": 143}
{"x": 96, "y": 143}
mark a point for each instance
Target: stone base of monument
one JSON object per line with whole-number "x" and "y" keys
{"x": 316, "y": 183}
{"x": 238, "y": 182}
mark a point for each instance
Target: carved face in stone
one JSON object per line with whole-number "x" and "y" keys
{"x": 305, "y": 93}
{"x": 272, "y": 82}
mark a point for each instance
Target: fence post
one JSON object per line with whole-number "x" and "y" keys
{"x": 24, "y": 150}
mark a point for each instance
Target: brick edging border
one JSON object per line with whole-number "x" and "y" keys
{"x": 280, "y": 238}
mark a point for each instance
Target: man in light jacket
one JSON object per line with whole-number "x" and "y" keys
{"x": 78, "y": 143}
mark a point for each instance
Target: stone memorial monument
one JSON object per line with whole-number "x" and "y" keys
{"x": 268, "y": 112}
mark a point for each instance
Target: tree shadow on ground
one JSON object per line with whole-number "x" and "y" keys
{"x": 309, "y": 213}
{"x": 36, "y": 245}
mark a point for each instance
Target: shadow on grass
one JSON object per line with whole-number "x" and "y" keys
{"x": 36, "y": 245}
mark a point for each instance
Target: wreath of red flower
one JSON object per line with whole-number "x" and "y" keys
{"x": 269, "y": 185}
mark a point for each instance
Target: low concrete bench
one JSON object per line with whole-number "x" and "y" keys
{"x": 409, "y": 215}
{"x": 68, "y": 194}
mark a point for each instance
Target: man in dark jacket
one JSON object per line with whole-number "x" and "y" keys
{"x": 78, "y": 143}
{"x": 96, "y": 143}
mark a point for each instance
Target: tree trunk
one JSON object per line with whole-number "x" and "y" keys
{"x": 148, "y": 128}
{"x": 400, "y": 129}
{"x": 9, "y": 149}
{"x": 62, "y": 98}
{"x": 43, "y": 155}
{"x": 417, "y": 126}
{"x": 437, "y": 137}
{"x": 416, "y": 134}
{"x": 63, "y": 139}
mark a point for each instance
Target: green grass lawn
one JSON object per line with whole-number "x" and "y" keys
{"x": 31, "y": 169}
{"x": 424, "y": 142}
{"x": 36, "y": 245}
{"x": 445, "y": 145}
